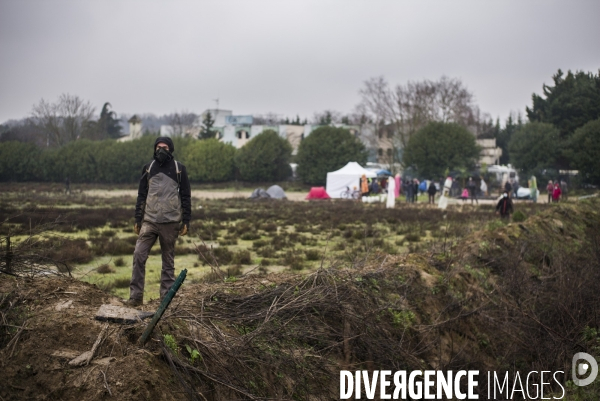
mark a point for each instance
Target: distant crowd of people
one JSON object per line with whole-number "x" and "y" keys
{"x": 473, "y": 189}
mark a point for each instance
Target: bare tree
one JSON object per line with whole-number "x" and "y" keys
{"x": 269, "y": 118}
{"x": 182, "y": 123}
{"x": 406, "y": 108}
{"x": 327, "y": 117}
{"x": 63, "y": 121}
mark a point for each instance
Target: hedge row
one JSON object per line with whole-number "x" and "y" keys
{"x": 265, "y": 158}
{"x": 110, "y": 161}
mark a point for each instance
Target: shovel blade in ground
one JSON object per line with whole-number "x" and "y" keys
{"x": 120, "y": 314}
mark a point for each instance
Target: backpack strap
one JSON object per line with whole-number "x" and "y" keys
{"x": 176, "y": 168}
{"x": 148, "y": 171}
{"x": 178, "y": 175}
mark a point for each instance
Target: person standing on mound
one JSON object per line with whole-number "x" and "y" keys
{"x": 163, "y": 211}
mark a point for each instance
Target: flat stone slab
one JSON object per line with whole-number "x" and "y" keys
{"x": 120, "y": 314}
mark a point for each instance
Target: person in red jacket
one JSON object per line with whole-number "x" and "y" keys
{"x": 556, "y": 192}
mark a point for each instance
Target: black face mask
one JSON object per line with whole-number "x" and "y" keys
{"x": 162, "y": 155}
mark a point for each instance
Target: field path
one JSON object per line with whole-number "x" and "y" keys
{"x": 115, "y": 193}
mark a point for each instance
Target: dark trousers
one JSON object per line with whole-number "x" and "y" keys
{"x": 473, "y": 195}
{"x": 431, "y": 198}
{"x": 167, "y": 234}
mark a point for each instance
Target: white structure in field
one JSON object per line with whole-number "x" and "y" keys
{"x": 346, "y": 177}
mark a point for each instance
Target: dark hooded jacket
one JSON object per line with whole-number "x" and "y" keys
{"x": 163, "y": 197}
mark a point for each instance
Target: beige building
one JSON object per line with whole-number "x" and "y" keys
{"x": 490, "y": 153}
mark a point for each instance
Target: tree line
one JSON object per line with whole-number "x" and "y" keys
{"x": 428, "y": 127}
{"x": 265, "y": 158}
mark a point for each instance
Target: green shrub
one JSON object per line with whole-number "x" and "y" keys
{"x": 20, "y": 162}
{"x": 122, "y": 282}
{"x": 105, "y": 269}
{"x": 312, "y": 254}
{"x": 222, "y": 255}
{"x": 250, "y": 236}
{"x": 519, "y": 216}
{"x": 210, "y": 161}
{"x": 327, "y": 149}
{"x": 242, "y": 257}
{"x": 264, "y": 158}
{"x": 413, "y": 237}
{"x": 441, "y": 145}
{"x": 293, "y": 259}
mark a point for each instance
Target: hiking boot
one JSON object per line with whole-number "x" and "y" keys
{"x": 134, "y": 302}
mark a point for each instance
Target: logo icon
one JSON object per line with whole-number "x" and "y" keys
{"x": 580, "y": 369}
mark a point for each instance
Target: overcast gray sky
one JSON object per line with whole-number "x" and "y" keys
{"x": 284, "y": 56}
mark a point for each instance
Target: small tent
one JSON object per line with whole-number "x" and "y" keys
{"x": 276, "y": 192}
{"x": 259, "y": 193}
{"x": 317, "y": 193}
{"x": 346, "y": 177}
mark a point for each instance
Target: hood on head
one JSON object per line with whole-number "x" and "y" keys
{"x": 167, "y": 140}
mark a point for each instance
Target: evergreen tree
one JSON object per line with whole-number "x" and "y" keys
{"x": 569, "y": 104}
{"x": 584, "y": 151}
{"x": 535, "y": 147}
{"x": 207, "y": 123}
{"x": 504, "y": 135}
{"x": 108, "y": 124}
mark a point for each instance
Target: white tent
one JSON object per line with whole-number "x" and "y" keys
{"x": 346, "y": 177}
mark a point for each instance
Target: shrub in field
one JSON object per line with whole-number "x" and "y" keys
{"x": 228, "y": 241}
{"x": 280, "y": 241}
{"x": 242, "y": 257}
{"x": 259, "y": 244}
{"x": 222, "y": 255}
{"x": 235, "y": 270}
{"x": 105, "y": 269}
{"x": 413, "y": 237}
{"x": 294, "y": 260}
{"x": 210, "y": 161}
{"x": 519, "y": 216}
{"x": 114, "y": 246}
{"x": 70, "y": 251}
{"x": 266, "y": 252}
{"x": 327, "y": 149}
{"x": 340, "y": 246}
{"x": 250, "y": 236}
{"x": 265, "y": 157}
{"x": 307, "y": 241}
{"x": 122, "y": 282}
{"x": 269, "y": 227}
{"x": 119, "y": 262}
{"x": 312, "y": 254}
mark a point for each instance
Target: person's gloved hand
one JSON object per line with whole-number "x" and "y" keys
{"x": 184, "y": 229}
{"x": 136, "y": 227}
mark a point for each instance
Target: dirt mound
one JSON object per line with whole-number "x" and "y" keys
{"x": 52, "y": 322}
